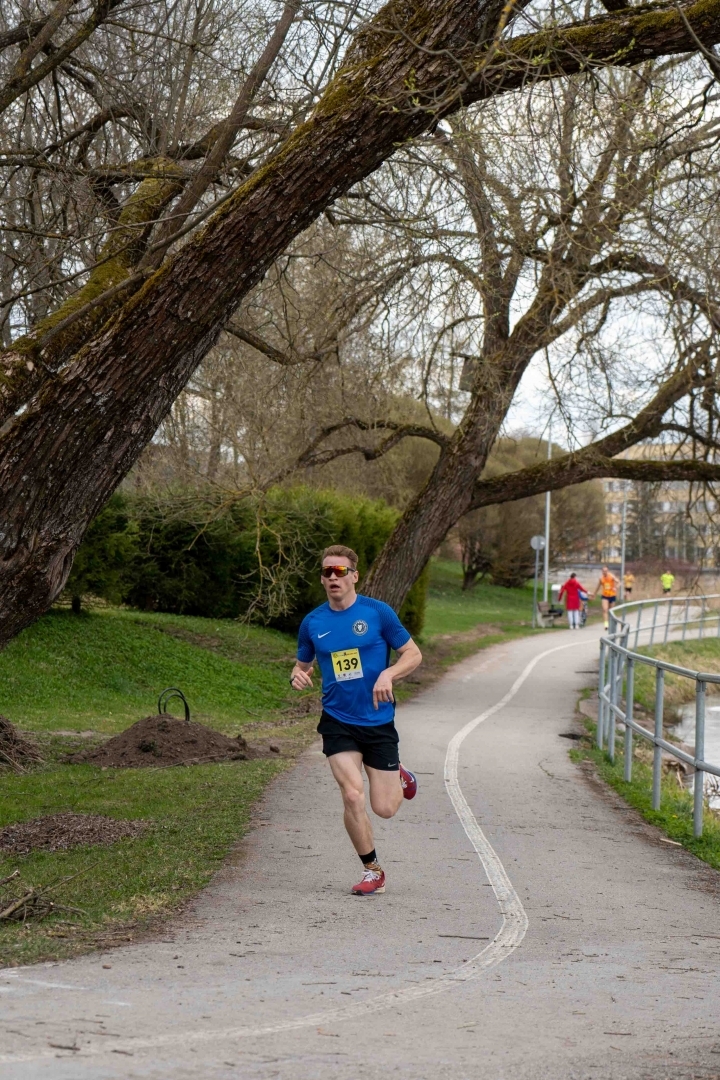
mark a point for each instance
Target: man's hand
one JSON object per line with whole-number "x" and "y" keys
{"x": 301, "y": 677}
{"x": 409, "y": 656}
{"x": 383, "y": 688}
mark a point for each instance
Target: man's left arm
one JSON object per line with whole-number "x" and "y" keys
{"x": 409, "y": 657}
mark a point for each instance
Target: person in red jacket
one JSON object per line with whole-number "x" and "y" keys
{"x": 572, "y": 589}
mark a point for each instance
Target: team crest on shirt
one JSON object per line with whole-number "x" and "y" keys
{"x": 359, "y": 627}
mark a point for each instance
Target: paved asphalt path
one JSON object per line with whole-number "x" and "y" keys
{"x": 277, "y": 971}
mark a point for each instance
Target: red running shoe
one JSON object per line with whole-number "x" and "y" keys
{"x": 409, "y": 783}
{"x": 373, "y": 881}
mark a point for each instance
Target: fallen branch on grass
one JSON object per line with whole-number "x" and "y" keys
{"x": 15, "y": 750}
{"x": 35, "y": 903}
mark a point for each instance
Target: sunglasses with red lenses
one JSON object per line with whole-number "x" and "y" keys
{"x": 338, "y": 571}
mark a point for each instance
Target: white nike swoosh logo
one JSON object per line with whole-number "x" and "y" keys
{"x": 325, "y": 634}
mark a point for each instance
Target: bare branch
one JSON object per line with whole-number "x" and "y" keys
{"x": 311, "y": 457}
{"x": 629, "y": 37}
{"x": 19, "y": 84}
{"x": 595, "y": 460}
{"x": 227, "y": 132}
{"x": 24, "y": 31}
{"x": 276, "y": 355}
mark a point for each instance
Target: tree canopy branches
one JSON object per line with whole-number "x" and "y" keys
{"x": 86, "y": 386}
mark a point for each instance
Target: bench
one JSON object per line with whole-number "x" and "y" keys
{"x": 547, "y": 613}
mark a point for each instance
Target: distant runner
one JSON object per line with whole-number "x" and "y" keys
{"x": 666, "y": 580}
{"x": 351, "y": 637}
{"x": 607, "y": 585}
{"x": 573, "y": 600}
{"x": 628, "y": 584}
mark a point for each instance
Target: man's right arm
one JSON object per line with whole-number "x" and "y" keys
{"x": 300, "y": 678}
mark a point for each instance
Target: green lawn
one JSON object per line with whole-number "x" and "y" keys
{"x": 104, "y": 670}
{"x": 452, "y": 611}
{"x": 196, "y": 814}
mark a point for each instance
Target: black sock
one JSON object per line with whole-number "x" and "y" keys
{"x": 371, "y": 857}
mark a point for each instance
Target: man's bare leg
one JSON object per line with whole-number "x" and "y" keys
{"x": 346, "y": 768}
{"x": 386, "y": 793}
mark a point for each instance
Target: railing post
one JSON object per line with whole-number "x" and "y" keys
{"x": 702, "y": 618}
{"x": 613, "y": 702}
{"x": 652, "y": 628}
{"x": 699, "y": 784}
{"x": 685, "y": 617}
{"x": 600, "y": 733}
{"x": 629, "y": 691}
{"x": 657, "y": 750}
{"x": 637, "y": 625}
{"x": 667, "y": 621}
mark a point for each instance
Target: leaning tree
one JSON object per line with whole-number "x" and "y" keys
{"x": 84, "y": 389}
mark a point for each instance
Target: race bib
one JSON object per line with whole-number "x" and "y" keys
{"x": 346, "y": 665}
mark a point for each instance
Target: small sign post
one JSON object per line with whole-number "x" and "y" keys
{"x": 537, "y": 543}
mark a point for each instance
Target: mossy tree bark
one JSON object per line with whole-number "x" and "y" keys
{"x": 86, "y": 424}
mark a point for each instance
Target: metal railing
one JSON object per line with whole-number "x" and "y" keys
{"x": 668, "y": 619}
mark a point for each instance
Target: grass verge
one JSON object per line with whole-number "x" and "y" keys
{"x": 695, "y": 655}
{"x": 675, "y": 816}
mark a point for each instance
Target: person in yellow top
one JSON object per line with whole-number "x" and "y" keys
{"x": 666, "y": 580}
{"x": 628, "y": 583}
{"x": 608, "y": 587}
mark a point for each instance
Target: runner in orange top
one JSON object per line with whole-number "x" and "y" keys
{"x": 608, "y": 586}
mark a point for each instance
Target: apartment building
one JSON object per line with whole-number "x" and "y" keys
{"x": 672, "y": 520}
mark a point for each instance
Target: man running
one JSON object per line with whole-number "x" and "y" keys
{"x": 666, "y": 580}
{"x": 628, "y": 584}
{"x": 351, "y": 637}
{"x": 608, "y": 585}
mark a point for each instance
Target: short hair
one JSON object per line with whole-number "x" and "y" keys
{"x": 573, "y": 574}
{"x": 343, "y": 552}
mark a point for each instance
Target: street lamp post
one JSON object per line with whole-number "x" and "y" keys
{"x": 622, "y": 542}
{"x": 546, "y": 550}
{"x": 537, "y": 543}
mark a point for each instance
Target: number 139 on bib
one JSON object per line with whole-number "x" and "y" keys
{"x": 347, "y": 665}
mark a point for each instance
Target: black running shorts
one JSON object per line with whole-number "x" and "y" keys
{"x": 378, "y": 743}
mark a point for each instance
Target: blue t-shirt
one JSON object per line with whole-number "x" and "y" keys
{"x": 352, "y": 648}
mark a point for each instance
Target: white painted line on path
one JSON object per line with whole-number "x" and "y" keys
{"x": 513, "y": 929}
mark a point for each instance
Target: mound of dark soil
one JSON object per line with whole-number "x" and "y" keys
{"x": 165, "y": 740}
{"x": 57, "y": 832}
{"x": 15, "y": 749}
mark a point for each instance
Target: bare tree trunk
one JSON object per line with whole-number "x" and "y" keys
{"x": 455, "y": 488}
{"x": 448, "y": 494}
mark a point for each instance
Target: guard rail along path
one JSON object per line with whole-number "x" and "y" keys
{"x": 654, "y": 622}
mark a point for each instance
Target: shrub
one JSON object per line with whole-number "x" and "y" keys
{"x": 257, "y": 558}
{"x": 104, "y": 562}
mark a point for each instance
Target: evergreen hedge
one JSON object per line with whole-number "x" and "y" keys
{"x": 257, "y": 557}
